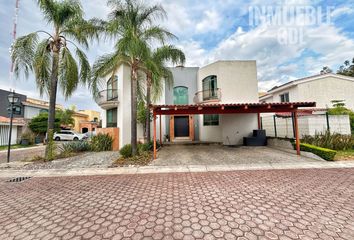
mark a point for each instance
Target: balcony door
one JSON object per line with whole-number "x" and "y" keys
{"x": 112, "y": 85}
{"x": 210, "y": 88}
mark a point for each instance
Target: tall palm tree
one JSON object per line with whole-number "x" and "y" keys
{"x": 132, "y": 24}
{"x": 51, "y": 59}
{"x": 157, "y": 73}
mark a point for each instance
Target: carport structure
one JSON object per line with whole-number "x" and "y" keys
{"x": 231, "y": 108}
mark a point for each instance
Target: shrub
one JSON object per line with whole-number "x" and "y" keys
{"x": 74, "y": 147}
{"x": 126, "y": 151}
{"x": 29, "y": 136}
{"x": 324, "y": 153}
{"x": 101, "y": 142}
{"x": 329, "y": 140}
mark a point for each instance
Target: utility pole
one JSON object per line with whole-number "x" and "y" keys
{"x": 14, "y": 36}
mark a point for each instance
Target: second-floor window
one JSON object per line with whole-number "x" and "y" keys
{"x": 112, "y": 85}
{"x": 180, "y": 95}
{"x": 210, "y": 88}
{"x": 284, "y": 97}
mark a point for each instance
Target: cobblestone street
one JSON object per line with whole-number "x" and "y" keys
{"x": 263, "y": 204}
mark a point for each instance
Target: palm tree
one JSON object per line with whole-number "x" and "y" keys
{"x": 156, "y": 71}
{"x": 51, "y": 59}
{"x": 132, "y": 24}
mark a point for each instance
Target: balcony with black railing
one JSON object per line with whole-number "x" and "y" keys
{"x": 107, "y": 99}
{"x": 207, "y": 96}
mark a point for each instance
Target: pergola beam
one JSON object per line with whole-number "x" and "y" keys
{"x": 237, "y": 108}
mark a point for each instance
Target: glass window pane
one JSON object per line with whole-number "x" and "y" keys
{"x": 180, "y": 95}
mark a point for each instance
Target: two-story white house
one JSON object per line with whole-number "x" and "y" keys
{"x": 322, "y": 89}
{"x": 220, "y": 82}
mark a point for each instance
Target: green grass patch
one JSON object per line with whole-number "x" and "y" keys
{"x": 16, "y": 146}
{"x": 345, "y": 155}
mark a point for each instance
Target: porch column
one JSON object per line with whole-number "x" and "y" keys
{"x": 160, "y": 130}
{"x": 154, "y": 116}
{"x": 259, "y": 121}
{"x": 297, "y": 133}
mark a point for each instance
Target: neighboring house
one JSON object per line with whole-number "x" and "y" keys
{"x": 322, "y": 89}
{"x": 27, "y": 109}
{"x": 86, "y": 121}
{"x": 18, "y": 122}
{"x": 220, "y": 82}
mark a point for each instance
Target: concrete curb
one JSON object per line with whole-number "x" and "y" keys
{"x": 169, "y": 169}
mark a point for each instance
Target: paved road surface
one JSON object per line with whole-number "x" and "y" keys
{"x": 263, "y": 204}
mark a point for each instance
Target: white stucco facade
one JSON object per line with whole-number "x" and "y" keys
{"x": 321, "y": 89}
{"x": 237, "y": 81}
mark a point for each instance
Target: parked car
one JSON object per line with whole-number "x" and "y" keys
{"x": 68, "y": 135}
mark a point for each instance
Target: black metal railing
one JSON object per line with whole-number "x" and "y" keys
{"x": 210, "y": 95}
{"x": 108, "y": 95}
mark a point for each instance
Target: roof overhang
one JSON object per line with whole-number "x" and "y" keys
{"x": 229, "y": 108}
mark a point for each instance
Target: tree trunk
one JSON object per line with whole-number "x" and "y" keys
{"x": 50, "y": 149}
{"x": 148, "y": 102}
{"x": 134, "y": 84}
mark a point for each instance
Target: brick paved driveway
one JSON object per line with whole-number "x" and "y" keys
{"x": 273, "y": 204}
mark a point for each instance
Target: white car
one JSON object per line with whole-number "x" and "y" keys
{"x": 68, "y": 135}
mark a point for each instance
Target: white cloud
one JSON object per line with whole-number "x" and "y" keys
{"x": 210, "y": 21}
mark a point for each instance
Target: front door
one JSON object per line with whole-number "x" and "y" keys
{"x": 181, "y": 126}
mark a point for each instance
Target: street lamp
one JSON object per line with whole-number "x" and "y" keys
{"x": 12, "y": 98}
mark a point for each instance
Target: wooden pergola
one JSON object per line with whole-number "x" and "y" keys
{"x": 231, "y": 108}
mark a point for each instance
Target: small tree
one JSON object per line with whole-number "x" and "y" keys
{"x": 142, "y": 116}
{"x": 39, "y": 124}
{"x": 340, "y": 109}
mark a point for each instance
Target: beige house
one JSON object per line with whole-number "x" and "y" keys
{"x": 86, "y": 121}
{"x": 322, "y": 89}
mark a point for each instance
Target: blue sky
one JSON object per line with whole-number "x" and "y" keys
{"x": 213, "y": 30}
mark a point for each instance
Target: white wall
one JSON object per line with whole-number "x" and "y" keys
{"x": 4, "y": 134}
{"x": 31, "y": 112}
{"x": 238, "y": 83}
{"x": 308, "y": 125}
{"x": 237, "y": 126}
{"x": 325, "y": 90}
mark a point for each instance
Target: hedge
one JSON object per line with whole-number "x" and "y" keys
{"x": 325, "y": 153}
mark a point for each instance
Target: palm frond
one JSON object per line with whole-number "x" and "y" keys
{"x": 68, "y": 73}
{"x": 42, "y": 67}
{"x": 85, "y": 68}
{"x": 81, "y": 30}
{"x": 23, "y": 53}
{"x": 105, "y": 66}
{"x": 60, "y": 12}
{"x": 157, "y": 33}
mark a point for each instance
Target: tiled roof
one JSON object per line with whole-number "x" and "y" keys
{"x": 211, "y": 105}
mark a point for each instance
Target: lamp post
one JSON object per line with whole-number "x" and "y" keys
{"x": 12, "y": 98}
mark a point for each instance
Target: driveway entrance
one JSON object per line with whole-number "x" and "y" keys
{"x": 173, "y": 155}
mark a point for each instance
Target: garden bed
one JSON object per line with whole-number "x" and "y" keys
{"x": 140, "y": 160}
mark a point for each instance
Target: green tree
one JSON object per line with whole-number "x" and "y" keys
{"x": 66, "y": 117}
{"x": 63, "y": 118}
{"x": 39, "y": 124}
{"x": 51, "y": 59}
{"x": 131, "y": 24}
{"x": 157, "y": 73}
{"x": 340, "y": 109}
{"x": 347, "y": 68}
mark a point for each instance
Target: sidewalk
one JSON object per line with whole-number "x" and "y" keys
{"x": 172, "y": 169}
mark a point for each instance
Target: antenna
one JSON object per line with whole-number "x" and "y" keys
{"x": 14, "y": 35}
